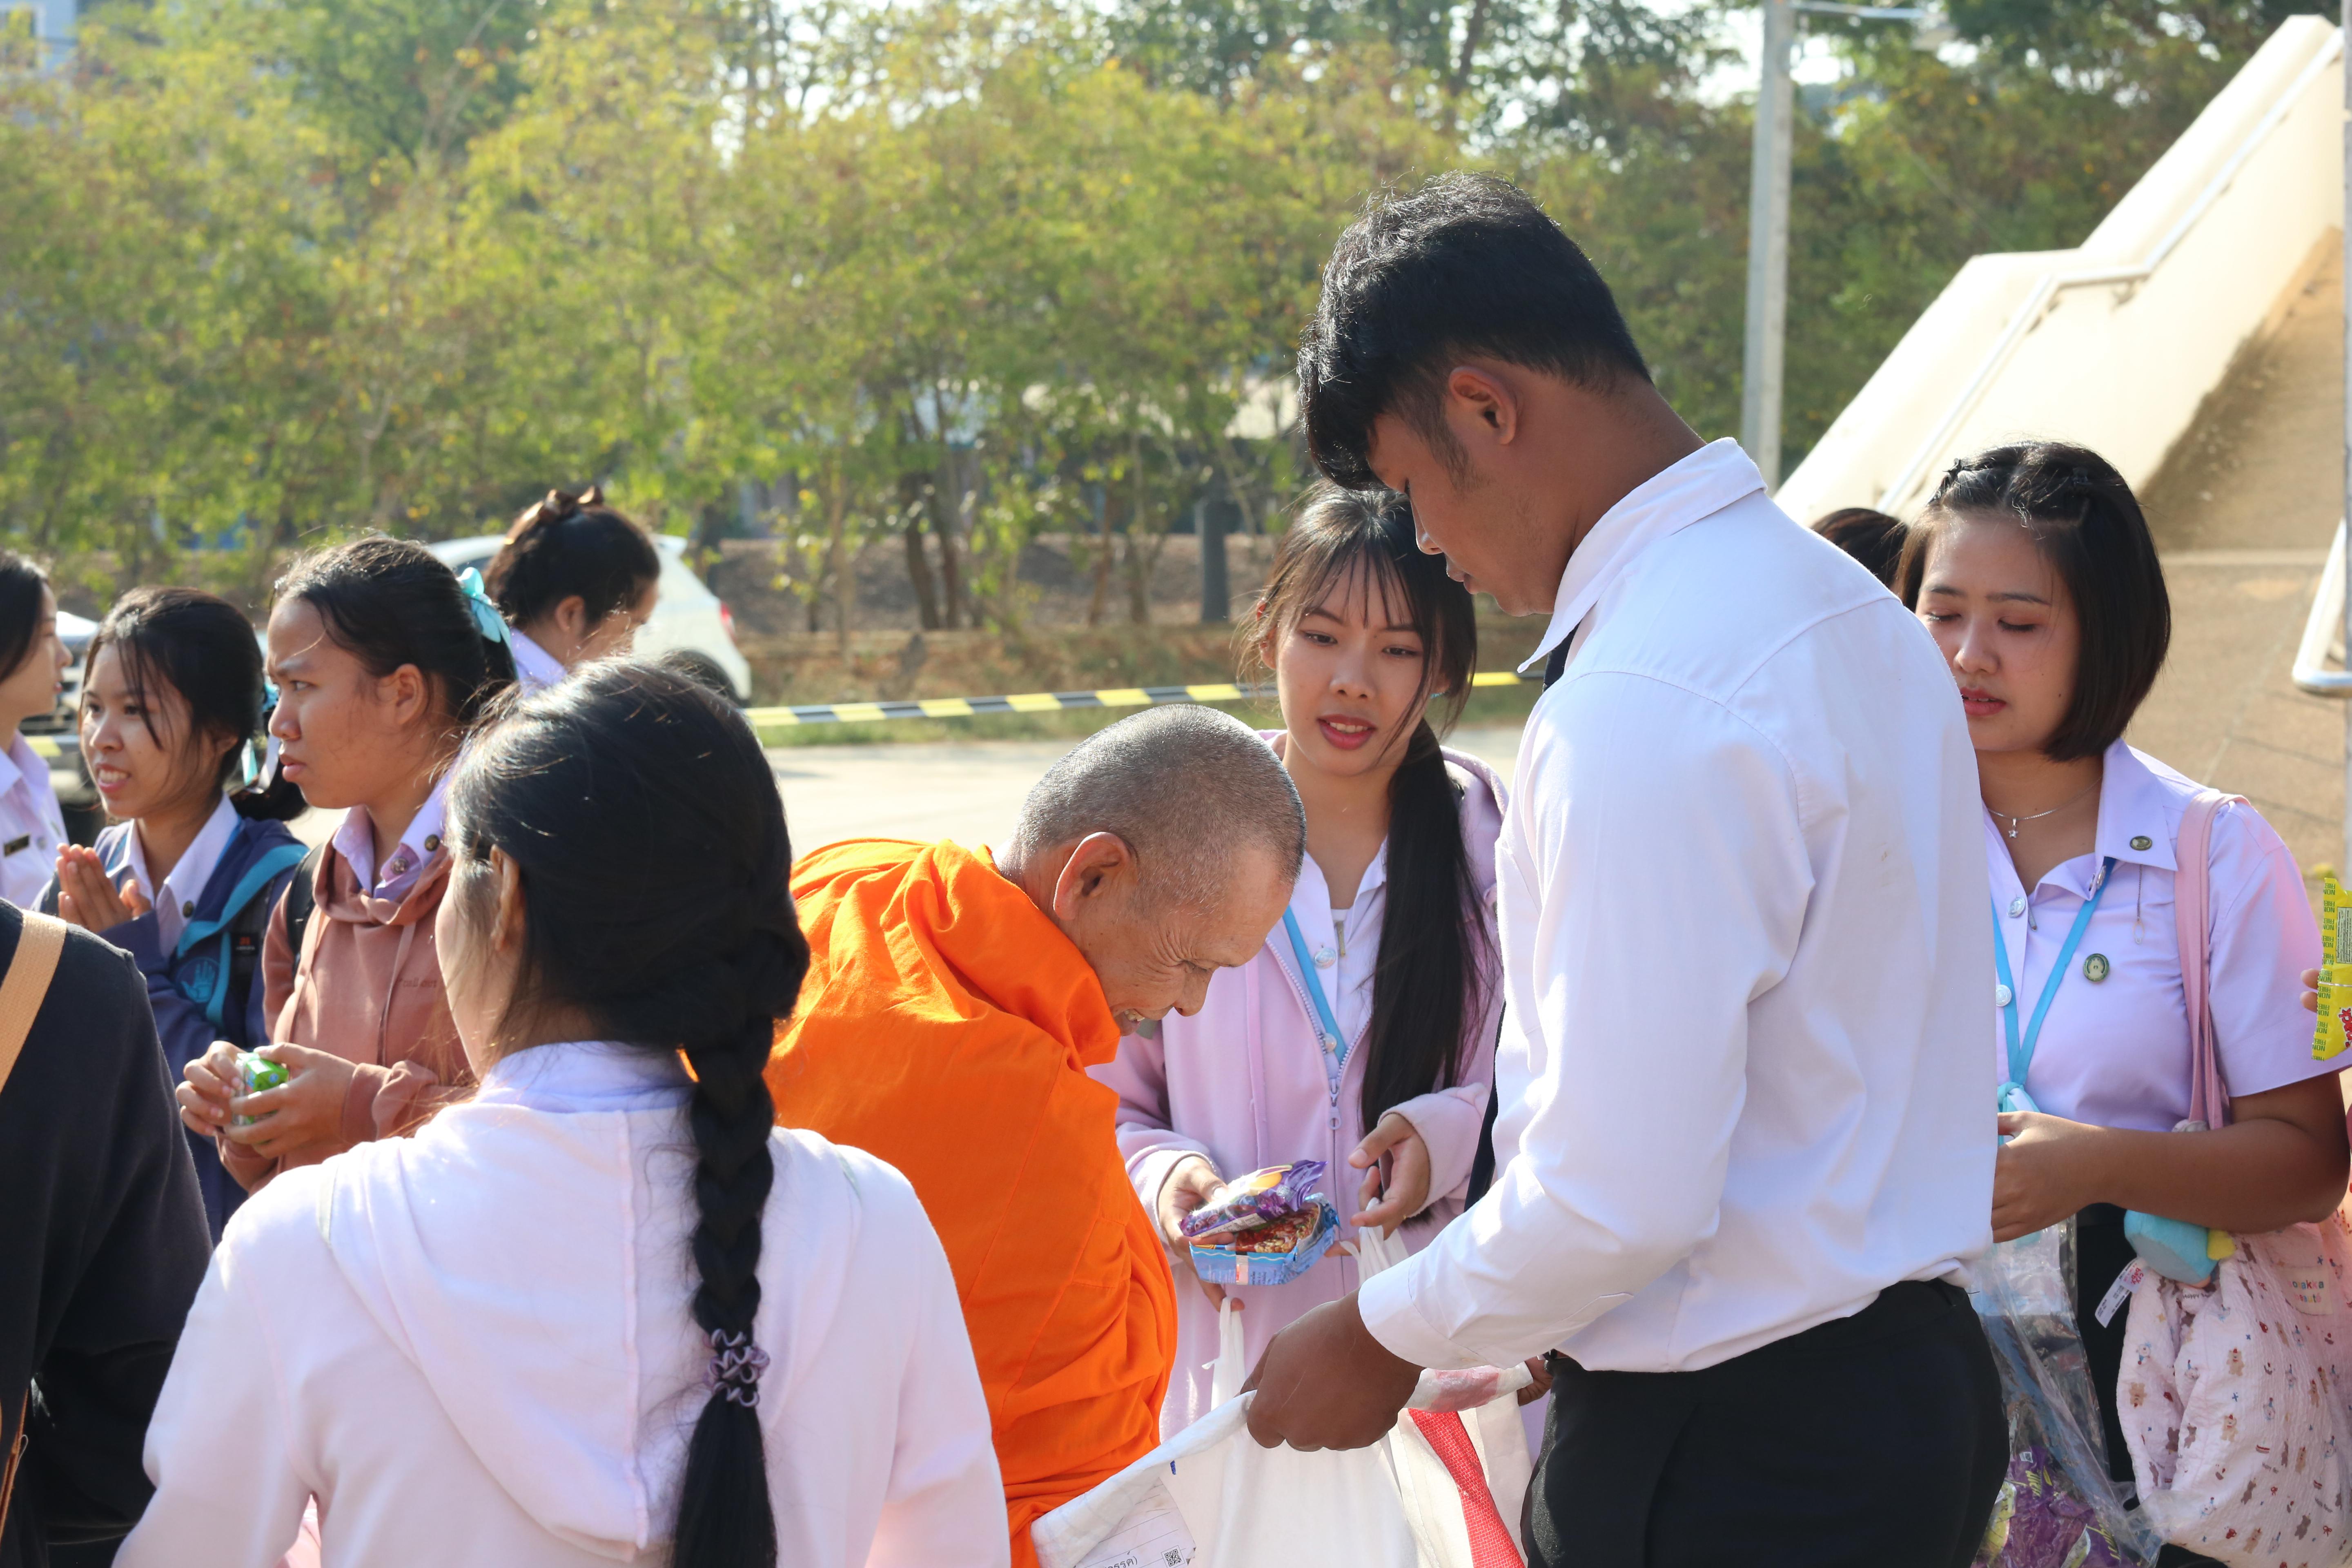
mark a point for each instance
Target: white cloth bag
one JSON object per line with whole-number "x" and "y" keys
{"x": 1210, "y": 1498}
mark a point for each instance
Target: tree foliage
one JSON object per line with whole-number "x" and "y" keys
{"x": 935, "y": 275}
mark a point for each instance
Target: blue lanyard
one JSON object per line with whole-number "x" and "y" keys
{"x": 1335, "y": 1049}
{"x": 2021, "y": 1055}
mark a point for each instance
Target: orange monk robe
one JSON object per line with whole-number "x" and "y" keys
{"x": 946, "y": 1025}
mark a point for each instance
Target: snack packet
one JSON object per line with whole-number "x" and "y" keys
{"x": 2334, "y": 1030}
{"x": 1255, "y": 1200}
{"x": 1271, "y": 1254}
{"x": 2335, "y": 922}
{"x": 2332, "y": 1036}
{"x": 257, "y": 1073}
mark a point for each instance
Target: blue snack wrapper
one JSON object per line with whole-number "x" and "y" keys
{"x": 1217, "y": 1260}
{"x": 1259, "y": 1198}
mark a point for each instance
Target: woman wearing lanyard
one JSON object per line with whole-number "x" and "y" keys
{"x": 1349, "y": 1039}
{"x": 2033, "y": 569}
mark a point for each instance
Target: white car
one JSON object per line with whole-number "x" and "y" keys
{"x": 688, "y": 619}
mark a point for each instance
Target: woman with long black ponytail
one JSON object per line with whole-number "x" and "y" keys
{"x": 602, "y": 1309}
{"x": 1362, "y": 1034}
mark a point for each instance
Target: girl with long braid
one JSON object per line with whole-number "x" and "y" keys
{"x": 602, "y": 1309}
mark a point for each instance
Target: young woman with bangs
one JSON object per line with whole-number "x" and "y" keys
{"x": 185, "y": 882}
{"x": 2033, "y": 568}
{"x": 1362, "y": 634}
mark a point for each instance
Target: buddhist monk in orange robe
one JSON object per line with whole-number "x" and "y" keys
{"x": 953, "y": 1004}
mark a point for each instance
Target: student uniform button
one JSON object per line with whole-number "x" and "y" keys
{"x": 2016, "y": 908}
{"x": 188, "y": 908}
{"x": 432, "y": 842}
{"x": 2000, "y": 995}
{"x": 2096, "y": 968}
{"x": 2142, "y": 841}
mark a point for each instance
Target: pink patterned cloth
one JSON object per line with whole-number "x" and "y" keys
{"x": 2233, "y": 1398}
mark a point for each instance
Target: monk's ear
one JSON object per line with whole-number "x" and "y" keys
{"x": 1098, "y": 863}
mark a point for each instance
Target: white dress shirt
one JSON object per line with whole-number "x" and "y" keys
{"x": 184, "y": 884}
{"x": 31, "y": 826}
{"x": 1742, "y": 1073}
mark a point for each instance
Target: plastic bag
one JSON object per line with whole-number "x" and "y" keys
{"x": 1210, "y": 1498}
{"x": 2057, "y": 1507}
{"x": 1225, "y": 1379}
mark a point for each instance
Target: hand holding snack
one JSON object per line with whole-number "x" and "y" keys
{"x": 1395, "y": 1162}
{"x": 307, "y": 1109}
{"x": 1190, "y": 1184}
{"x": 208, "y": 1081}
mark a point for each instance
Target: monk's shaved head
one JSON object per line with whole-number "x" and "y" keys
{"x": 1191, "y": 791}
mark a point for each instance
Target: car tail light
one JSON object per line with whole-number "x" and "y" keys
{"x": 727, "y": 620}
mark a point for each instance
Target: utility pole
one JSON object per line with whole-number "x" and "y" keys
{"x": 1209, "y": 527}
{"x": 1767, "y": 246}
{"x": 1768, "y": 209}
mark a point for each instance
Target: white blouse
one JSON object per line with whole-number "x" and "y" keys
{"x": 474, "y": 1346}
{"x": 32, "y": 827}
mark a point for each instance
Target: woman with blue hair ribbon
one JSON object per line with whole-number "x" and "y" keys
{"x": 384, "y": 661}
{"x": 185, "y": 881}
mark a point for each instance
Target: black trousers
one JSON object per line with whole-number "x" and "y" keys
{"x": 1875, "y": 1441}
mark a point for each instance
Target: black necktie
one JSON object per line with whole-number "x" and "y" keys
{"x": 1558, "y": 661}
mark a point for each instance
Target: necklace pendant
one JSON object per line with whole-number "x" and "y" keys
{"x": 2012, "y": 833}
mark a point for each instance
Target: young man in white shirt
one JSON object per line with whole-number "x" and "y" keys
{"x": 1745, "y": 1144}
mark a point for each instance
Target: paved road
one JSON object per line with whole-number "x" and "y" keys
{"x": 971, "y": 794}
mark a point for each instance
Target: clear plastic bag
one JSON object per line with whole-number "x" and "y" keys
{"x": 2057, "y": 1507}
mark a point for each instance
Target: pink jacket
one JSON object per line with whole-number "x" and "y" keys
{"x": 1242, "y": 1081}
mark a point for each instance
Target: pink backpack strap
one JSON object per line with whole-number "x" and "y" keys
{"x": 2208, "y": 1100}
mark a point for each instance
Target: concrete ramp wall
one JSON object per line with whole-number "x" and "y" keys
{"x": 2115, "y": 343}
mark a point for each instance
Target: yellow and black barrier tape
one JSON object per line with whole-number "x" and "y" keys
{"x": 1036, "y": 702}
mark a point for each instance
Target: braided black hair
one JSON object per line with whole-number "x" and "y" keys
{"x": 2082, "y": 517}
{"x": 644, "y": 822}
{"x": 570, "y": 544}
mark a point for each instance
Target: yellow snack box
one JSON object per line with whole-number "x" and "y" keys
{"x": 2335, "y": 922}
{"x": 2334, "y": 1034}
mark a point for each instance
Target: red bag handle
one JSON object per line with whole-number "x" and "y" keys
{"x": 2209, "y": 1098}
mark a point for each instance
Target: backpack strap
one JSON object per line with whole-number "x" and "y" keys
{"x": 39, "y": 946}
{"x": 301, "y": 898}
{"x": 2209, "y": 1097}
{"x": 257, "y": 876}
